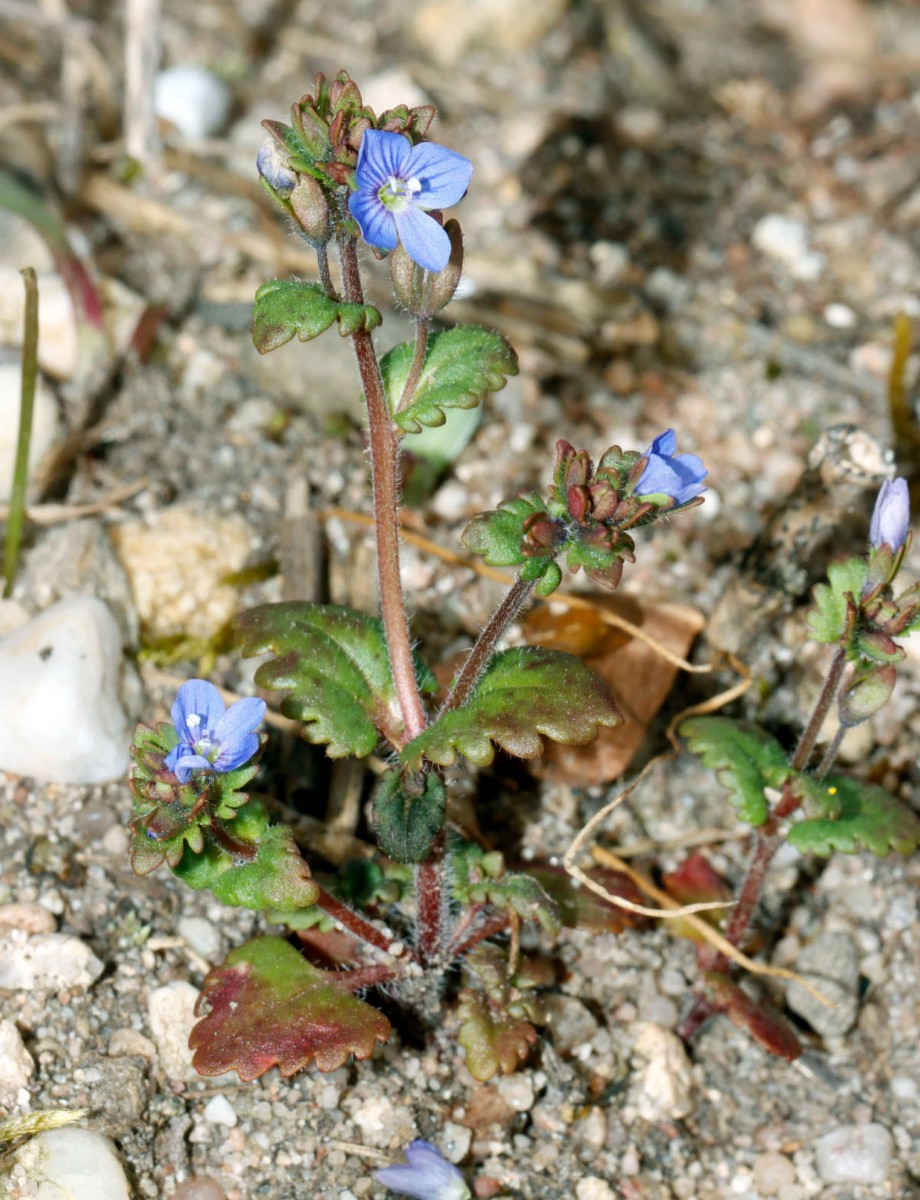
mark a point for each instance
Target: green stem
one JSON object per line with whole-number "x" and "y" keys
{"x": 481, "y": 654}
{"x": 325, "y": 275}
{"x": 418, "y": 362}
{"x": 384, "y": 449}
{"x": 26, "y": 407}
{"x": 819, "y": 714}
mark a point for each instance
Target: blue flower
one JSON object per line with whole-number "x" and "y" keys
{"x": 427, "y": 1176}
{"x": 891, "y": 517}
{"x": 678, "y": 477}
{"x": 397, "y": 186}
{"x": 212, "y": 737}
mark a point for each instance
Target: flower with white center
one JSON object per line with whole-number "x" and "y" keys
{"x": 212, "y": 737}
{"x": 398, "y": 185}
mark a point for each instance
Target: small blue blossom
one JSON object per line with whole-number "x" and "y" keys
{"x": 677, "y": 476}
{"x": 427, "y": 1176}
{"x": 891, "y": 517}
{"x": 272, "y": 165}
{"x": 212, "y": 737}
{"x": 398, "y": 184}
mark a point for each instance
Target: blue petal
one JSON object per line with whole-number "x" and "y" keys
{"x": 235, "y": 753}
{"x": 199, "y": 698}
{"x": 427, "y": 1177}
{"x": 664, "y": 444}
{"x": 380, "y": 156}
{"x": 378, "y": 228}
{"x": 239, "y": 719}
{"x": 187, "y": 762}
{"x": 443, "y": 174}
{"x": 423, "y": 239}
{"x": 891, "y": 517}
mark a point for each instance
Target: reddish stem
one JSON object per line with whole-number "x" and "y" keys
{"x": 481, "y": 654}
{"x": 384, "y": 449}
{"x": 351, "y": 920}
{"x": 429, "y": 906}
{"x": 361, "y": 977}
{"x": 497, "y": 924}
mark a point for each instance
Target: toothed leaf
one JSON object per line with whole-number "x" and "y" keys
{"x": 869, "y": 819}
{"x": 285, "y": 308}
{"x": 462, "y": 366}
{"x": 827, "y": 621}
{"x": 525, "y": 693}
{"x": 332, "y": 663}
{"x": 266, "y": 1006}
{"x": 746, "y": 760}
{"x": 492, "y": 1040}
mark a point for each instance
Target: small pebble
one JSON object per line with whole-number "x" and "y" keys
{"x": 840, "y": 316}
{"x": 46, "y": 961}
{"x": 199, "y": 1187}
{"x": 785, "y": 239}
{"x": 129, "y": 1043}
{"x": 202, "y": 936}
{"x": 32, "y": 918}
{"x": 16, "y": 1063}
{"x": 592, "y": 1187}
{"x": 855, "y": 1154}
{"x": 455, "y": 1141}
{"x": 219, "y": 1111}
{"x": 170, "y": 1010}
{"x": 831, "y": 963}
{"x": 192, "y": 100}
{"x": 516, "y": 1091}
{"x": 664, "y": 1082}
{"x": 60, "y": 673}
{"x": 772, "y": 1172}
{"x": 572, "y": 1024}
{"x": 71, "y": 1163}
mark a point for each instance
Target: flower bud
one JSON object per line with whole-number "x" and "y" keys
{"x": 310, "y": 206}
{"x": 422, "y": 292}
{"x": 891, "y": 517}
{"x": 272, "y": 165}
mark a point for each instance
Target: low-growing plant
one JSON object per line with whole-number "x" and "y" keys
{"x": 432, "y": 901}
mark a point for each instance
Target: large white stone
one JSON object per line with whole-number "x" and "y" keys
{"x": 60, "y": 716}
{"x": 47, "y": 961}
{"x": 16, "y": 1063}
{"x": 71, "y": 1164}
{"x": 193, "y": 100}
{"x": 45, "y": 425}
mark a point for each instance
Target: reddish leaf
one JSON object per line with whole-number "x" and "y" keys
{"x": 579, "y": 907}
{"x": 267, "y": 1006}
{"x": 761, "y": 1020}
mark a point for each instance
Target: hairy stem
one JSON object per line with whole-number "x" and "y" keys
{"x": 325, "y": 275}
{"x": 418, "y": 362}
{"x": 353, "y": 921}
{"x": 17, "y": 509}
{"x": 497, "y": 924}
{"x": 429, "y": 906}
{"x": 361, "y": 977}
{"x": 384, "y": 449}
{"x": 482, "y": 652}
{"x": 822, "y": 708}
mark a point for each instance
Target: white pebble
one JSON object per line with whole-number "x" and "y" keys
{"x": 45, "y": 425}
{"x": 202, "y": 936}
{"x": 60, "y": 716}
{"x": 840, "y": 316}
{"x": 195, "y": 102}
{"x": 516, "y": 1091}
{"x": 592, "y": 1187}
{"x": 456, "y": 1140}
{"x": 786, "y": 240}
{"x": 170, "y": 1011}
{"x": 74, "y": 1163}
{"x": 772, "y": 1172}
{"x": 855, "y": 1154}
{"x": 16, "y": 1063}
{"x": 47, "y": 961}
{"x": 219, "y": 1111}
{"x": 665, "y": 1082}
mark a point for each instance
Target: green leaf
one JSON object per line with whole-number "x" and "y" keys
{"x": 332, "y": 663}
{"x": 746, "y": 760}
{"x": 493, "y": 1040}
{"x": 827, "y": 621}
{"x": 276, "y": 879}
{"x": 869, "y": 819}
{"x": 285, "y": 307}
{"x": 462, "y": 366}
{"x": 525, "y": 693}
{"x": 408, "y": 814}
{"x": 266, "y": 1006}
{"x": 481, "y": 878}
{"x": 497, "y": 534}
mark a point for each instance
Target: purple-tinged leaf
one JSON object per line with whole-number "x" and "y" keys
{"x": 761, "y": 1020}
{"x": 266, "y": 1006}
{"x": 579, "y": 907}
{"x": 493, "y": 1040}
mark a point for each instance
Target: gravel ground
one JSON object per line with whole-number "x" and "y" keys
{"x": 684, "y": 214}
